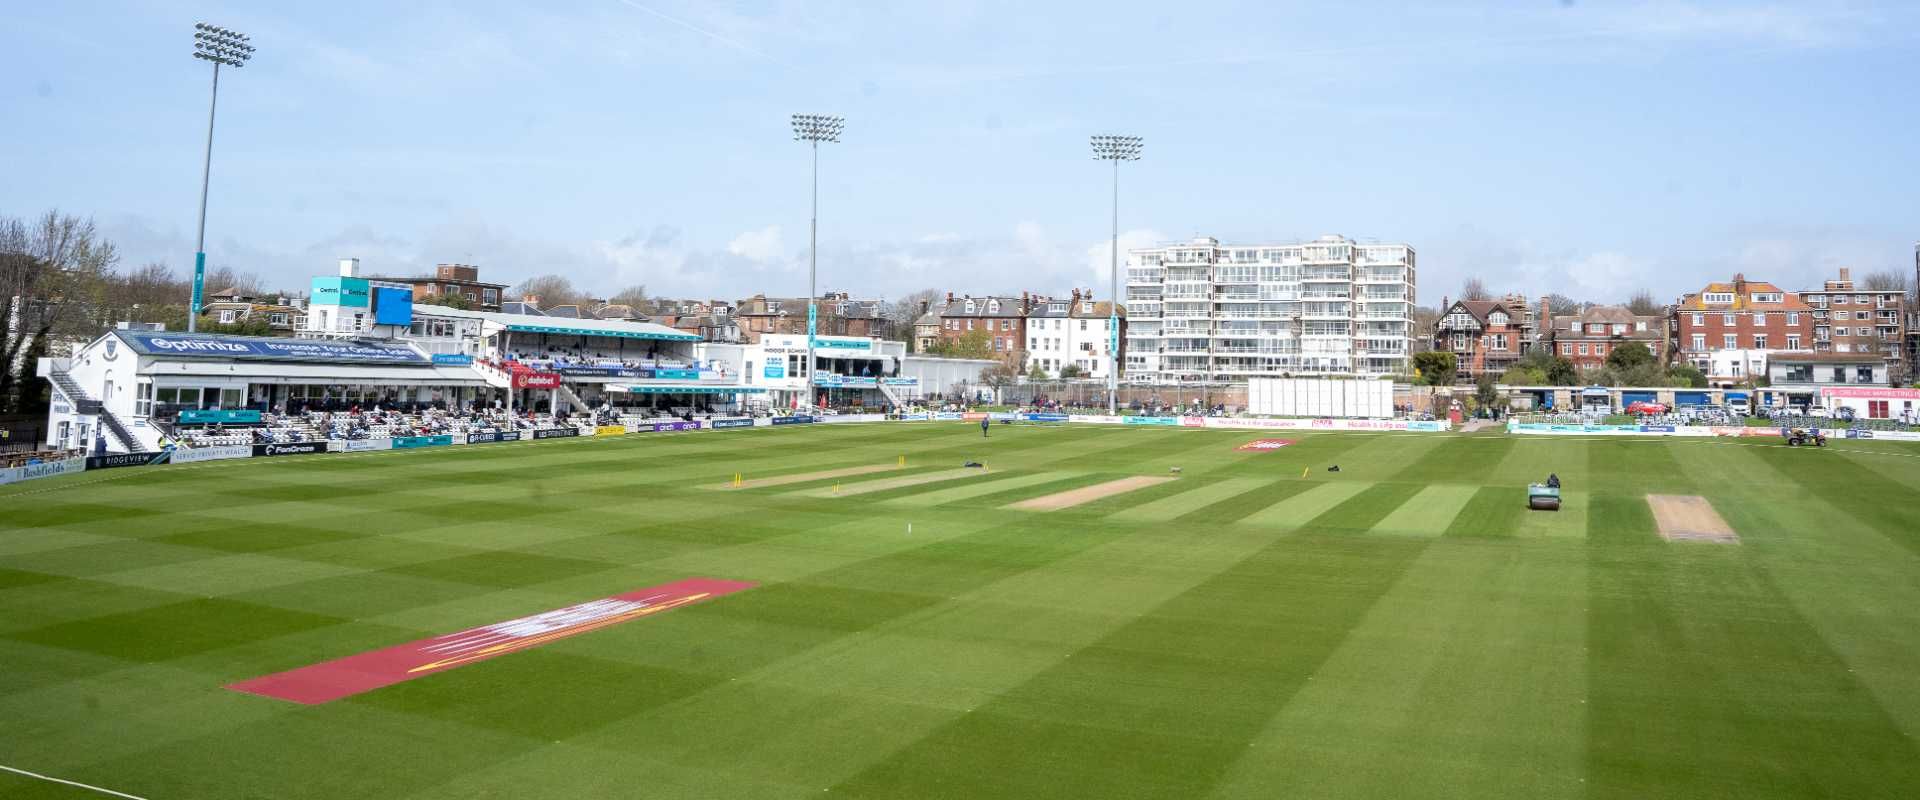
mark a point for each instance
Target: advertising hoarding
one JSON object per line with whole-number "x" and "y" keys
{"x": 207, "y": 345}
{"x": 289, "y": 449}
{"x": 189, "y": 455}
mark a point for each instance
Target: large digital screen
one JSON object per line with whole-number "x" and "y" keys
{"x": 392, "y": 306}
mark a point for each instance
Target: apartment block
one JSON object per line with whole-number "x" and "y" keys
{"x": 1850, "y": 320}
{"x": 1073, "y": 332}
{"x": 1203, "y": 311}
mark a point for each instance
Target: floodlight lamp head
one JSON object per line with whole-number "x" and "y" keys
{"x": 817, "y": 128}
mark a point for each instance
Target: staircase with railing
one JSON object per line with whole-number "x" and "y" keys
{"x": 85, "y": 404}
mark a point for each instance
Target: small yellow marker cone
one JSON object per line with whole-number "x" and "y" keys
{"x": 1303, "y": 472}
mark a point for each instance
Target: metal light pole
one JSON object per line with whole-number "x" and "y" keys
{"x": 814, "y": 129}
{"x": 220, "y": 46}
{"x": 1115, "y": 149}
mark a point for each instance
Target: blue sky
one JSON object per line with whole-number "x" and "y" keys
{"x": 1586, "y": 147}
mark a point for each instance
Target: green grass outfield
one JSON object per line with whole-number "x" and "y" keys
{"x": 1401, "y": 628}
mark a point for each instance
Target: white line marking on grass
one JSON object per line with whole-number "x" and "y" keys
{"x": 51, "y": 779}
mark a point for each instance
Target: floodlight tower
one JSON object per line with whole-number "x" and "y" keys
{"x": 1115, "y": 149}
{"x": 220, "y": 46}
{"x": 814, "y": 129}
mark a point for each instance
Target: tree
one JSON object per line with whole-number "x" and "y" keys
{"x": 1561, "y": 305}
{"x": 1425, "y": 320}
{"x": 1553, "y": 370}
{"x": 901, "y": 313}
{"x": 1475, "y": 289}
{"x": 453, "y": 300}
{"x": 1036, "y": 372}
{"x": 53, "y": 272}
{"x": 220, "y": 279}
{"x": 1688, "y": 375}
{"x": 549, "y": 291}
{"x": 1643, "y": 304}
{"x": 635, "y": 295}
{"x": 1485, "y": 392}
{"x": 1436, "y": 368}
{"x": 1072, "y": 371}
{"x": 1885, "y": 281}
{"x": 1628, "y": 355}
{"x": 1523, "y": 376}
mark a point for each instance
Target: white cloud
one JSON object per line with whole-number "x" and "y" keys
{"x": 762, "y": 245}
{"x": 1100, "y": 256}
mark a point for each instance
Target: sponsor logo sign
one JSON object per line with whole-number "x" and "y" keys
{"x": 262, "y": 348}
{"x": 683, "y": 425}
{"x": 1427, "y": 425}
{"x": 410, "y": 442}
{"x": 362, "y": 445}
{"x": 555, "y": 433}
{"x": 1044, "y": 417}
{"x": 115, "y": 460}
{"x": 1869, "y": 393}
{"x": 796, "y": 419}
{"x": 44, "y": 469}
{"x": 610, "y": 430}
{"x": 536, "y": 380}
{"x": 452, "y": 359}
{"x": 1263, "y": 445}
{"x": 240, "y": 416}
{"x": 189, "y": 455}
{"x": 676, "y": 374}
{"x": 487, "y": 437}
{"x": 1193, "y": 422}
{"x": 602, "y": 372}
{"x": 1094, "y": 419}
{"x": 1856, "y": 433}
{"x": 918, "y": 416}
{"x": 1136, "y": 420}
{"x": 321, "y": 683}
{"x": 948, "y": 416}
{"x": 900, "y": 381}
{"x": 290, "y": 449}
{"x": 774, "y": 371}
{"x": 845, "y": 382}
{"x": 731, "y": 423}
{"x": 1656, "y": 429}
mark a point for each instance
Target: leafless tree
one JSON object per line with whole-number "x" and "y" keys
{"x": 1885, "y": 281}
{"x": 901, "y": 313}
{"x": 635, "y": 295}
{"x": 222, "y": 278}
{"x": 1475, "y": 289}
{"x": 549, "y": 291}
{"x": 52, "y": 276}
{"x": 1560, "y": 304}
{"x": 1642, "y": 303}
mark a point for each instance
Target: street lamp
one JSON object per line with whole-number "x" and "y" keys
{"x": 1115, "y": 149}
{"x": 814, "y": 129}
{"x": 220, "y": 46}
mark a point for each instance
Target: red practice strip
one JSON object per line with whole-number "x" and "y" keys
{"x": 352, "y": 675}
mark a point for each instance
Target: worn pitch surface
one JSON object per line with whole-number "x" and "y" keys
{"x": 1404, "y": 627}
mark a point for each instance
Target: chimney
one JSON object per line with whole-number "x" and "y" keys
{"x": 949, "y": 298}
{"x": 1845, "y": 275}
{"x": 349, "y": 268}
{"x": 1546, "y": 315}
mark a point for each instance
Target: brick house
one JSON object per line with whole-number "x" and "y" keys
{"x": 839, "y": 315}
{"x": 455, "y": 279}
{"x": 1485, "y": 336}
{"x": 1587, "y": 337}
{"x": 1003, "y": 318}
{"x": 1850, "y": 320}
{"x": 1739, "y": 315}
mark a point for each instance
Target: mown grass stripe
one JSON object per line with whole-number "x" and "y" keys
{"x": 1427, "y": 513}
{"x": 1192, "y": 499}
{"x": 1294, "y": 510}
{"x": 1493, "y": 512}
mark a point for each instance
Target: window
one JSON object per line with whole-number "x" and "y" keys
{"x": 1759, "y": 319}
{"x": 1717, "y": 297}
{"x": 1500, "y": 341}
{"x": 1699, "y": 319}
{"x": 1566, "y": 349}
{"x": 1793, "y": 341}
{"x": 1459, "y": 341}
{"x": 277, "y": 319}
{"x": 233, "y": 398}
{"x": 226, "y": 317}
{"x": 1640, "y": 326}
{"x": 1863, "y": 315}
{"x": 1033, "y": 343}
{"x": 1759, "y": 341}
{"x": 1766, "y": 297}
{"x": 1863, "y": 375}
{"x": 1841, "y": 331}
{"x": 1729, "y": 319}
{"x": 970, "y": 307}
{"x": 1599, "y": 349}
{"x": 1083, "y": 324}
{"x": 1619, "y": 329}
{"x": 969, "y": 324}
{"x": 993, "y": 306}
{"x": 1497, "y": 318}
{"x": 1859, "y": 299}
{"x": 1729, "y": 341}
{"x": 1699, "y": 341}
{"x": 1006, "y": 324}
{"x": 1583, "y": 348}
{"x": 1793, "y": 318}
{"x": 142, "y": 399}
{"x": 1839, "y": 374}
